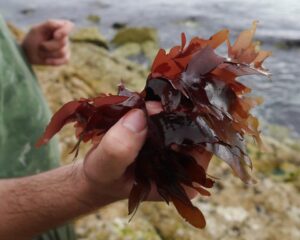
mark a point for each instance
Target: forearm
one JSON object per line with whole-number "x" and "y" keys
{"x": 34, "y": 204}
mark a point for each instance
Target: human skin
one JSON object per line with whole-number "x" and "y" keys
{"x": 47, "y": 43}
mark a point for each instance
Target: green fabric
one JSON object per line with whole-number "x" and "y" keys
{"x": 23, "y": 117}
{"x": 62, "y": 233}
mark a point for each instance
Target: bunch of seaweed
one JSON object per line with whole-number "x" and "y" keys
{"x": 206, "y": 112}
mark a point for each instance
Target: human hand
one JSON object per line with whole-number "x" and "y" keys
{"x": 47, "y": 43}
{"x": 106, "y": 165}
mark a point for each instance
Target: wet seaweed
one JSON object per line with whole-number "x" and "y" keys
{"x": 206, "y": 112}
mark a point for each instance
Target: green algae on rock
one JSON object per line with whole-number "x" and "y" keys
{"x": 90, "y": 35}
{"x": 136, "y": 42}
{"x": 135, "y": 35}
{"x": 94, "y": 18}
{"x": 128, "y": 50}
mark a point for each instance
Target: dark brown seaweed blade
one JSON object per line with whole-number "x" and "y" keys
{"x": 190, "y": 213}
{"x": 139, "y": 193}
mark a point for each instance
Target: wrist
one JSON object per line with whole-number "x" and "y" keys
{"x": 92, "y": 193}
{"x": 25, "y": 47}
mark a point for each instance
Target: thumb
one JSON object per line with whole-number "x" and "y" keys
{"x": 64, "y": 30}
{"x": 117, "y": 149}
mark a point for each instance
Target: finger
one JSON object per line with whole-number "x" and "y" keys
{"x": 48, "y": 28}
{"x": 118, "y": 148}
{"x": 57, "y": 61}
{"x": 64, "y": 30}
{"x": 202, "y": 157}
{"x": 53, "y": 45}
{"x": 49, "y": 25}
{"x": 153, "y": 107}
{"x": 61, "y": 53}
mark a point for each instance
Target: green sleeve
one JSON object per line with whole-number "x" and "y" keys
{"x": 24, "y": 114}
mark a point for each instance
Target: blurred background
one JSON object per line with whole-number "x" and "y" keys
{"x": 116, "y": 40}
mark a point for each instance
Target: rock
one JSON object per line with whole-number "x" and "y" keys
{"x": 28, "y": 11}
{"x": 128, "y": 50}
{"x": 278, "y": 132}
{"x": 92, "y": 228}
{"x": 118, "y": 25}
{"x": 279, "y": 159}
{"x": 138, "y": 52}
{"x": 168, "y": 222}
{"x": 289, "y": 44}
{"x": 136, "y": 35}
{"x": 93, "y": 18}
{"x": 189, "y": 22}
{"x": 150, "y": 49}
{"x": 90, "y": 35}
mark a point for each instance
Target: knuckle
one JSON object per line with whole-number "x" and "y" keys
{"x": 46, "y": 47}
{"x": 68, "y": 57}
{"x": 61, "y": 53}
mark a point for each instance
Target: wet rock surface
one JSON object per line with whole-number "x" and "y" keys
{"x": 137, "y": 44}
{"x": 90, "y": 35}
{"x": 137, "y": 35}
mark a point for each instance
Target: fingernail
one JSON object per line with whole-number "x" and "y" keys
{"x": 154, "y": 107}
{"x": 154, "y": 104}
{"x": 135, "y": 121}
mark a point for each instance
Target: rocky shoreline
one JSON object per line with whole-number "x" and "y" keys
{"x": 269, "y": 209}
